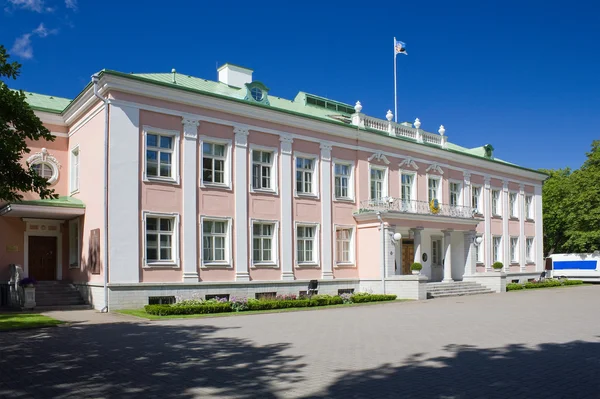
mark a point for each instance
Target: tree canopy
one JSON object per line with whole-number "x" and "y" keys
{"x": 571, "y": 206}
{"x": 18, "y": 123}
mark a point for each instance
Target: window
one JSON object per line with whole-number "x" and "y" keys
{"x": 343, "y": 182}
{"x": 378, "y": 183}
{"x": 529, "y": 250}
{"x": 74, "y": 170}
{"x": 306, "y": 244}
{"x": 497, "y": 249}
{"x": 43, "y": 169}
{"x": 436, "y": 251}
{"x": 264, "y": 169}
{"x": 513, "y": 205}
{"x": 514, "y": 249}
{"x": 476, "y": 198}
{"x": 74, "y": 243}
{"x": 479, "y": 253}
{"x": 215, "y": 241}
{"x": 529, "y": 206}
{"x": 455, "y": 193}
{"x": 495, "y": 202}
{"x": 433, "y": 189}
{"x": 305, "y": 176}
{"x": 407, "y": 186}
{"x": 45, "y": 165}
{"x": 263, "y": 243}
{"x": 214, "y": 159}
{"x": 160, "y": 156}
{"x": 343, "y": 245}
{"x": 161, "y": 239}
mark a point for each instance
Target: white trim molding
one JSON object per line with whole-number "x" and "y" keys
{"x": 77, "y": 263}
{"x": 176, "y": 135}
{"x": 43, "y": 232}
{"x": 241, "y": 202}
{"x": 352, "y": 262}
{"x": 435, "y": 167}
{"x": 274, "y": 263}
{"x": 326, "y": 214}
{"x": 75, "y": 152}
{"x": 409, "y": 162}
{"x": 287, "y": 181}
{"x": 175, "y": 260}
{"x": 189, "y": 166}
{"x": 228, "y": 161}
{"x": 274, "y": 165}
{"x": 44, "y": 157}
{"x": 351, "y": 180}
{"x": 316, "y": 241}
{"x": 315, "y": 175}
{"x": 228, "y": 262}
{"x": 380, "y": 157}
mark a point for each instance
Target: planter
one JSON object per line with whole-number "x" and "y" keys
{"x": 416, "y": 272}
{"x": 29, "y": 297}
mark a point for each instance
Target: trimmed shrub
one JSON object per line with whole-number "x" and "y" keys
{"x": 416, "y": 266}
{"x": 542, "y": 284}
{"x": 167, "y": 310}
{"x": 572, "y": 282}
{"x": 372, "y": 298}
{"x": 514, "y": 287}
{"x": 497, "y": 265}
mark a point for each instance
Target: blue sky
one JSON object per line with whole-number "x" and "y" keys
{"x": 520, "y": 75}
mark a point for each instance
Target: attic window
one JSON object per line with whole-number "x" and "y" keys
{"x": 489, "y": 151}
{"x": 332, "y": 105}
{"x": 257, "y": 92}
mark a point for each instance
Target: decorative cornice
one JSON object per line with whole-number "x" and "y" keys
{"x": 409, "y": 162}
{"x": 467, "y": 177}
{"x": 504, "y": 185}
{"x": 379, "y": 157}
{"x": 521, "y": 188}
{"x": 190, "y": 128}
{"x": 487, "y": 181}
{"x": 436, "y": 168}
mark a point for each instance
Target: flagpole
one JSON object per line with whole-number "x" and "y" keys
{"x": 395, "y": 86}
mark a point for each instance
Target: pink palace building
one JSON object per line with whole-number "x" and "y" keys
{"x": 172, "y": 185}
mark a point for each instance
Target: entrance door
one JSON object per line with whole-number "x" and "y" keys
{"x": 408, "y": 255}
{"x": 42, "y": 258}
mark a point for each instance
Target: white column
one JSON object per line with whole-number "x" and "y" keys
{"x": 241, "y": 204}
{"x": 287, "y": 225}
{"x": 418, "y": 247}
{"x": 447, "y": 256}
{"x": 539, "y": 229}
{"x": 327, "y": 226}
{"x": 190, "y": 200}
{"x": 487, "y": 242}
{"x": 470, "y": 261}
{"x": 124, "y": 214}
{"x": 505, "y": 216}
{"x": 522, "y": 217}
{"x": 467, "y": 189}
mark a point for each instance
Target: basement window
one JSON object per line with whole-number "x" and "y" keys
{"x": 161, "y": 300}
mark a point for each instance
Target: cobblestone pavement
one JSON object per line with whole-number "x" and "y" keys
{"x": 529, "y": 344}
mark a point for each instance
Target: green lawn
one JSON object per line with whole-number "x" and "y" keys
{"x": 142, "y": 313}
{"x": 14, "y": 321}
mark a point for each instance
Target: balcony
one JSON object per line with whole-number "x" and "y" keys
{"x": 391, "y": 204}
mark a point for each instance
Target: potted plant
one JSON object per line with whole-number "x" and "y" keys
{"x": 416, "y": 268}
{"x": 28, "y": 285}
{"x": 497, "y": 266}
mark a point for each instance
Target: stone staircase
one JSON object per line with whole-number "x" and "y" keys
{"x": 58, "y": 295}
{"x": 456, "y": 288}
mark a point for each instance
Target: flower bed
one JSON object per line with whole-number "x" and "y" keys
{"x": 542, "y": 284}
{"x": 223, "y": 305}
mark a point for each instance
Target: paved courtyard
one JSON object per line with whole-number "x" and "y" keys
{"x": 530, "y": 344}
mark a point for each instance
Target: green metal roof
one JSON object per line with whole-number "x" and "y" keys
{"x": 62, "y": 202}
{"x": 42, "y": 102}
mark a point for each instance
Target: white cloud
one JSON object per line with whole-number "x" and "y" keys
{"x": 33, "y": 5}
{"x": 72, "y": 4}
{"x": 22, "y": 46}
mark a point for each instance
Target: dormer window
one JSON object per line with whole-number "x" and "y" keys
{"x": 257, "y": 92}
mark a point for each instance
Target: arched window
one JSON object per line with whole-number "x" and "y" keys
{"x": 45, "y": 165}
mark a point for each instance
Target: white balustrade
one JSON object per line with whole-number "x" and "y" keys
{"x": 399, "y": 130}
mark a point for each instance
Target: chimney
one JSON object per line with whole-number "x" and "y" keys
{"x": 234, "y": 75}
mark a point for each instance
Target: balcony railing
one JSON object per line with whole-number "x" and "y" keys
{"x": 417, "y": 207}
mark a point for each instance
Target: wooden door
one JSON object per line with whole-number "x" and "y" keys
{"x": 408, "y": 255}
{"x": 42, "y": 258}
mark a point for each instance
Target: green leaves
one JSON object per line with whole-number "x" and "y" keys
{"x": 571, "y": 206}
{"x": 18, "y": 125}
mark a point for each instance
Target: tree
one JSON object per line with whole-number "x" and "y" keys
{"x": 18, "y": 123}
{"x": 571, "y": 207}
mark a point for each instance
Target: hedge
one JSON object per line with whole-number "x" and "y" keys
{"x": 544, "y": 284}
{"x": 317, "y": 300}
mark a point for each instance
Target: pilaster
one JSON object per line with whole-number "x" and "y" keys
{"x": 522, "y": 217}
{"x": 287, "y": 225}
{"x": 539, "y": 229}
{"x": 241, "y": 203}
{"x": 326, "y": 228}
{"x": 190, "y": 200}
{"x": 447, "y": 256}
{"x": 487, "y": 223}
{"x": 467, "y": 198}
{"x": 505, "y": 235}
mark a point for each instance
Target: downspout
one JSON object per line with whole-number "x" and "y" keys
{"x": 95, "y": 80}
{"x": 381, "y": 227}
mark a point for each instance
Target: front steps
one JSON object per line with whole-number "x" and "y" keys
{"x": 54, "y": 295}
{"x": 456, "y": 288}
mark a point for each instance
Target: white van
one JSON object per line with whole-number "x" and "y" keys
{"x": 584, "y": 267}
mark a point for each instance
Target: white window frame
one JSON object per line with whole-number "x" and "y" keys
{"x": 529, "y": 209}
{"x": 315, "y": 175}
{"x": 174, "y": 179}
{"x": 352, "y": 261}
{"x": 479, "y": 252}
{"x": 385, "y": 186}
{"x": 529, "y": 256}
{"x": 75, "y": 264}
{"x": 440, "y": 250}
{"x": 174, "y": 263}
{"x": 459, "y": 193}
{"x": 316, "y": 249}
{"x": 350, "y": 196}
{"x": 274, "y": 189}
{"x": 513, "y": 207}
{"x": 496, "y": 254}
{"x": 439, "y": 188}
{"x": 514, "y": 255}
{"x": 227, "y": 164}
{"x": 413, "y": 189}
{"x": 74, "y": 168}
{"x": 479, "y": 202}
{"x": 227, "y": 263}
{"x": 496, "y": 210}
{"x": 274, "y": 245}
